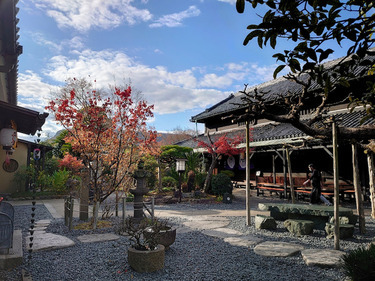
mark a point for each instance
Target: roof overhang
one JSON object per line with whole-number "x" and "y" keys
{"x": 10, "y": 49}
{"x": 27, "y": 121}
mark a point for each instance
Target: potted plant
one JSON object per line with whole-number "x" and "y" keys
{"x": 166, "y": 233}
{"x": 144, "y": 253}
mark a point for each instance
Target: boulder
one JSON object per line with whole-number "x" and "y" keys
{"x": 346, "y": 230}
{"x": 345, "y": 219}
{"x": 265, "y": 222}
{"x": 299, "y": 227}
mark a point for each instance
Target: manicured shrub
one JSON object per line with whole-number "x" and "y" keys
{"x": 228, "y": 173}
{"x": 221, "y": 184}
{"x": 169, "y": 182}
{"x": 359, "y": 264}
{"x": 184, "y": 187}
{"x": 191, "y": 181}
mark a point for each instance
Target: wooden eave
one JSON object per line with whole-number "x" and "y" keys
{"x": 28, "y": 121}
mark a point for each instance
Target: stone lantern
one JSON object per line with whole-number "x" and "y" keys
{"x": 141, "y": 189}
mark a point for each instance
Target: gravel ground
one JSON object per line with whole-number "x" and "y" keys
{"x": 193, "y": 256}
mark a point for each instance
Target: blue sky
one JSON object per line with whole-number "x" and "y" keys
{"x": 183, "y": 55}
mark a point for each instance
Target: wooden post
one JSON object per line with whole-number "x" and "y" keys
{"x": 336, "y": 186}
{"x": 248, "y": 215}
{"x": 273, "y": 169}
{"x": 123, "y": 209}
{"x": 116, "y": 203}
{"x": 285, "y": 177}
{"x": 153, "y": 207}
{"x": 370, "y": 162}
{"x": 290, "y": 176}
{"x": 66, "y": 214}
{"x": 358, "y": 189}
{"x": 71, "y": 209}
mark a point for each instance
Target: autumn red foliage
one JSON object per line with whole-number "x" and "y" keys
{"x": 71, "y": 163}
{"x": 109, "y": 132}
{"x": 222, "y": 146}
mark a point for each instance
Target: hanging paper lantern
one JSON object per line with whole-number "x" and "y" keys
{"x": 8, "y": 138}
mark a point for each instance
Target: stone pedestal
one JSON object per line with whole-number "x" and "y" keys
{"x": 84, "y": 197}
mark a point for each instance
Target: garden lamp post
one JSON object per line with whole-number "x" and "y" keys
{"x": 180, "y": 168}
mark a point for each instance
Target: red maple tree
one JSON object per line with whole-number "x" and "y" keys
{"x": 222, "y": 146}
{"x": 108, "y": 132}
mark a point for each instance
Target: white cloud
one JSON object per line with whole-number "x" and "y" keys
{"x": 76, "y": 43}
{"x": 84, "y": 15}
{"x": 33, "y": 93}
{"x": 170, "y": 92}
{"x": 173, "y": 20}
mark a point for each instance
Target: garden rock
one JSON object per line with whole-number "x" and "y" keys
{"x": 265, "y": 222}
{"x": 342, "y": 220}
{"x": 299, "y": 227}
{"x": 346, "y": 230}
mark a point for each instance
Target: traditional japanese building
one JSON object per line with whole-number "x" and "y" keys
{"x": 13, "y": 118}
{"x": 269, "y": 139}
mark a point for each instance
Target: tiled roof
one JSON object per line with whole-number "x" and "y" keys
{"x": 271, "y": 89}
{"x": 277, "y": 134}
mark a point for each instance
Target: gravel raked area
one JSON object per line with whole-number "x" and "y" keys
{"x": 194, "y": 256}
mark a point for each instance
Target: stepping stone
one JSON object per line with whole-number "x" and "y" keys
{"x": 183, "y": 229}
{"x": 322, "y": 257}
{"x": 206, "y": 224}
{"x": 277, "y": 249}
{"x": 221, "y": 232}
{"x": 43, "y": 222}
{"x": 244, "y": 241}
{"x": 97, "y": 237}
{"x": 207, "y": 218}
{"x": 48, "y": 241}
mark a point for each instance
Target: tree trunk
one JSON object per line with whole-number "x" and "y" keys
{"x": 370, "y": 162}
{"x": 207, "y": 182}
{"x": 358, "y": 190}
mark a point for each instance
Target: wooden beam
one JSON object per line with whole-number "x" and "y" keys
{"x": 274, "y": 168}
{"x": 328, "y": 151}
{"x": 358, "y": 189}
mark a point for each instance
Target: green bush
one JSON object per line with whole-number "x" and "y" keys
{"x": 199, "y": 179}
{"x": 228, "y": 173}
{"x": 166, "y": 189}
{"x": 221, "y": 184}
{"x": 169, "y": 182}
{"x": 359, "y": 264}
{"x": 20, "y": 178}
{"x": 59, "y": 180}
